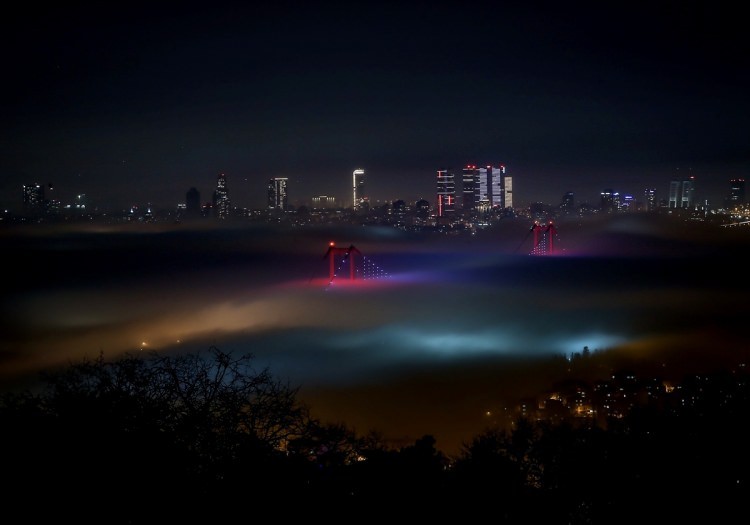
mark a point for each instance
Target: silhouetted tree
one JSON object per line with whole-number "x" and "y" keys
{"x": 140, "y": 434}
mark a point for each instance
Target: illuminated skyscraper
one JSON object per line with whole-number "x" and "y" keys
{"x": 491, "y": 186}
{"x": 486, "y": 188}
{"x": 222, "y": 206}
{"x": 277, "y": 194}
{"x": 446, "y": 193}
{"x": 360, "y": 200}
{"x": 469, "y": 188}
{"x": 682, "y": 193}
{"x": 507, "y": 190}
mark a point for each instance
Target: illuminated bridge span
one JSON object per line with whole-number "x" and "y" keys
{"x": 544, "y": 238}
{"x": 352, "y": 264}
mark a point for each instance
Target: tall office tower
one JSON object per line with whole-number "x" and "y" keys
{"x": 277, "y": 194}
{"x": 469, "y": 188}
{"x": 486, "y": 188}
{"x": 649, "y": 196}
{"x": 446, "y": 194}
{"x": 736, "y": 192}
{"x": 682, "y": 193}
{"x": 360, "y": 200}
{"x": 491, "y": 187}
{"x": 33, "y": 198}
{"x": 192, "y": 203}
{"x": 507, "y": 190}
{"x": 222, "y": 207}
{"x": 688, "y": 193}
{"x": 674, "y": 193}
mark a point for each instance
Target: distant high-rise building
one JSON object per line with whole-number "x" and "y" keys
{"x": 609, "y": 201}
{"x": 278, "y": 198}
{"x": 192, "y": 203}
{"x": 469, "y": 188}
{"x": 736, "y": 192}
{"x": 446, "y": 193}
{"x": 491, "y": 186}
{"x": 682, "y": 193}
{"x": 360, "y": 200}
{"x": 486, "y": 188}
{"x": 422, "y": 209}
{"x": 52, "y": 204}
{"x": 674, "y": 193}
{"x": 222, "y": 205}
{"x": 507, "y": 190}
{"x": 649, "y": 196}
{"x": 567, "y": 206}
{"x": 627, "y": 202}
{"x": 33, "y": 199}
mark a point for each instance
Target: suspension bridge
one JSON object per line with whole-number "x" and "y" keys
{"x": 544, "y": 239}
{"x": 349, "y": 264}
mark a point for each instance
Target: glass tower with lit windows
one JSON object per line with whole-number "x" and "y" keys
{"x": 446, "y": 193}
{"x": 277, "y": 194}
{"x": 359, "y": 194}
{"x": 469, "y": 188}
{"x": 222, "y": 205}
{"x": 486, "y": 188}
{"x": 682, "y": 193}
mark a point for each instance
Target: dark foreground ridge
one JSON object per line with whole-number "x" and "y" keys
{"x": 206, "y": 436}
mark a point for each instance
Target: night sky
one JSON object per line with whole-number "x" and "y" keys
{"x": 134, "y": 103}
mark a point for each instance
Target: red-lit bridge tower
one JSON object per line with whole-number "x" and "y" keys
{"x": 345, "y": 253}
{"x": 543, "y": 238}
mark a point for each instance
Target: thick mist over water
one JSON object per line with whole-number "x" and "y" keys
{"x": 455, "y": 326}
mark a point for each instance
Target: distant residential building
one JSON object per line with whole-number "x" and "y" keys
{"x": 649, "y": 197}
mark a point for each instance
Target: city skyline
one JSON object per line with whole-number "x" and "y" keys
{"x": 139, "y": 104}
{"x": 649, "y": 198}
